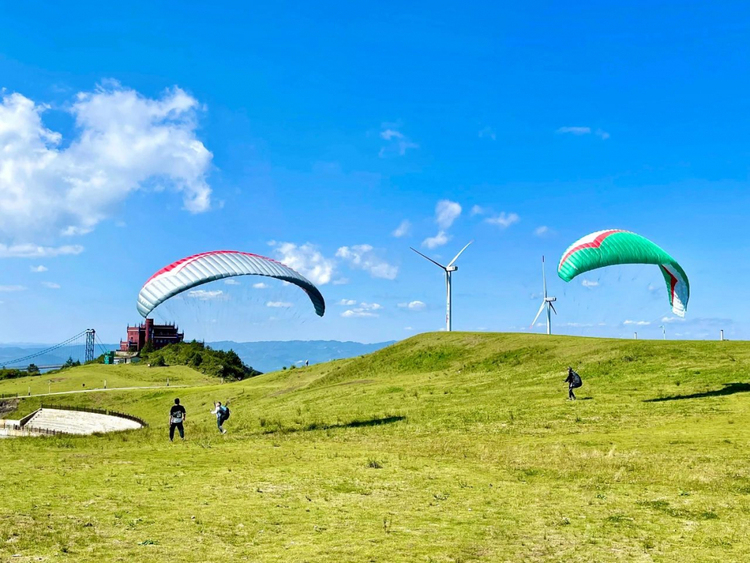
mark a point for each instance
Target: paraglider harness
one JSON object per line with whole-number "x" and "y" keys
{"x": 574, "y": 380}
{"x": 224, "y": 413}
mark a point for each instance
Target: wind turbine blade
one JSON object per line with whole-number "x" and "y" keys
{"x": 544, "y": 279}
{"x": 553, "y": 307}
{"x": 427, "y": 258}
{"x": 459, "y": 254}
{"x": 537, "y": 315}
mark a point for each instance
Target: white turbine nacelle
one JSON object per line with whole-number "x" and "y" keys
{"x": 550, "y": 299}
{"x": 449, "y": 269}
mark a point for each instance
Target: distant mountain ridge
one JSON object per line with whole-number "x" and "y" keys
{"x": 273, "y": 355}
{"x": 264, "y": 356}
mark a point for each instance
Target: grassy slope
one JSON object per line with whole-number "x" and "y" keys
{"x": 92, "y": 376}
{"x": 445, "y": 447}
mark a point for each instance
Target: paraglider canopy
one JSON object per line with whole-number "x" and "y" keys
{"x": 203, "y": 268}
{"x": 614, "y": 247}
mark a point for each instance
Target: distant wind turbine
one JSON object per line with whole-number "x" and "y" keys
{"x": 546, "y": 302}
{"x": 449, "y": 269}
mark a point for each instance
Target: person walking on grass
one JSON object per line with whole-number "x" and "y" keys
{"x": 177, "y": 417}
{"x": 574, "y": 382}
{"x": 222, "y": 414}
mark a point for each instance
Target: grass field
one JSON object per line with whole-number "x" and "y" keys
{"x": 444, "y": 447}
{"x": 93, "y": 376}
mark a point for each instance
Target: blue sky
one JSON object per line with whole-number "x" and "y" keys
{"x": 133, "y": 136}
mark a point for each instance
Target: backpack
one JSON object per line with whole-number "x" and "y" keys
{"x": 225, "y": 412}
{"x": 577, "y": 382}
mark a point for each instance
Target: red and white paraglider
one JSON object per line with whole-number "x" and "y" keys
{"x": 211, "y": 266}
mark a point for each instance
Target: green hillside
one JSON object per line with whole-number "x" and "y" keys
{"x": 444, "y": 447}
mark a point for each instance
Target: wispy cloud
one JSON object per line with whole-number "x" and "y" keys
{"x": 578, "y": 131}
{"x": 341, "y": 281}
{"x": 231, "y": 281}
{"x": 478, "y": 210}
{"x": 396, "y": 142}
{"x": 206, "y": 295}
{"x": 542, "y": 231}
{"x": 413, "y": 305}
{"x": 35, "y": 251}
{"x": 38, "y": 269}
{"x": 347, "y": 302}
{"x": 438, "y": 240}
{"x": 402, "y": 230}
{"x": 51, "y": 285}
{"x": 11, "y": 288}
{"x": 279, "y": 304}
{"x": 589, "y": 283}
{"x": 503, "y": 219}
{"x": 364, "y": 257}
{"x": 446, "y": 212}
{"x": 637, "y": 323}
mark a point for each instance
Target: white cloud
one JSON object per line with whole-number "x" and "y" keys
{"x": 438, "y": 240}
{"x": 504, "y": 220}
{"x": 574, "y": 130}
{"x": 478, "y": 210}
{"x": 542, "y": 231}
{"x": 363, "y": 257}
{"x": 637, "y": 323}
{"x": 279, "y": 304}
{"x": 341, "y": 281}
{"x": 488, "y": 133}
{"x": 583, "y": 131}
{"x": 371, "y": 306}
{"x": 668, "y": 320}
{"x": 206, "y": 295}
{"x": 589, "y": 283}
{"x": 124, "y": 142}
{"x": 51, "y": 285}
{"x": 260, "y": 285}
{"x": 34, "y": 251}
{"x": 357, "y": 313}
{"x": 402, "y": 230}
{"x": 408, "y": 328}
{"x": 231, "y": 281}
{"x": 38, "y": 269}
{"x": 347, "y": 302}
{"x": 397, "y": 142}
{"x": 413, "y": 305}
{"x": 10, "y": 288}
{"x": 306, "y": 259}
{"x": 446, "y": 212}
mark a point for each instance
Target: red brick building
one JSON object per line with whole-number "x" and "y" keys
{"x": 158, "y": 335}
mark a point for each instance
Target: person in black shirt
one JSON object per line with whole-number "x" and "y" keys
{"x": 574, "y": 382}
{"x": 177, "y": 416}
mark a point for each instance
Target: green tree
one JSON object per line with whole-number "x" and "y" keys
{"x": 33, "y": 369}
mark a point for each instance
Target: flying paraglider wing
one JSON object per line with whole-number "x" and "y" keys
{"x": 613, "y": 247}
{"x": 211, "y": 266}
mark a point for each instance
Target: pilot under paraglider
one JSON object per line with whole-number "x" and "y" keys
{"x": 574, "y": 382}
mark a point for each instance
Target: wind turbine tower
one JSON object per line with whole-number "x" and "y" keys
{"x": 546, "y": 302}
{"x": 449, "y": 269}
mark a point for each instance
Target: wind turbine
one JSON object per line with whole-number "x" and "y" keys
{"x": 546, "y": 302}
{"x": 449, "y": 269}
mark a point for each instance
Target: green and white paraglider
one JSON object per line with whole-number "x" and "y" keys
{"x": 614, "y": 247}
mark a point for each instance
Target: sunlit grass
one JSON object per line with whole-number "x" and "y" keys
{"x": 446, "y": 447}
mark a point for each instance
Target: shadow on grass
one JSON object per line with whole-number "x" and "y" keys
{"x": 728, "y": 389}
{"x": 359, "y": 423}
